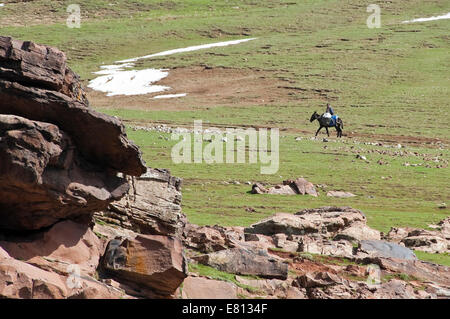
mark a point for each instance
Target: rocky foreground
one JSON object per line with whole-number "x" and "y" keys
{"x": 81, "y": 216}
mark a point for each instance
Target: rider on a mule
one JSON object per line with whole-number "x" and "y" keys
{"x": 328, "y": 114}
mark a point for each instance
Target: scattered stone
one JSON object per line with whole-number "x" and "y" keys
{"x": 340, "y": 194}
{"x": 362, "y": 157}
{"x": 289, "y": 187}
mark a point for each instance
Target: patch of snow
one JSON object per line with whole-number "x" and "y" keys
{"x": 168, "y": 96}
{"x": 117, "y": 79}
{"x": 187, "y": 49}
{"x": 109, "y": 69}
{"x": 132, "y": 82}
{"x": 445, "y": 16}
{"x": 2, "y": 4}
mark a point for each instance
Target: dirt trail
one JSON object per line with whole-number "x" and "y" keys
{"x": 386, "y": 138}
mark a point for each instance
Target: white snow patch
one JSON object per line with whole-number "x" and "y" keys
{"x": 188, "y": 49}
{"x": 169, "y": 96}
{"x": 109, "y": 69}
{"x": 445, "y": 16}
{"x": 132, "y": 82}
{"x": 117, "y": 79}
{"x": 2, "y": 4}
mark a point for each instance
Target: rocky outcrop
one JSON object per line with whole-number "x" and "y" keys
{"x": 36, "y": 83}
{"x": 66, "y": 243}
{"x": 54, "y": 274}
{"x": 43, "y": 179}
{"x": 59, "y": 158}
{"x": 329, "y": 252}
{"x": 60, "y": 162}
{"x": 151, "y": 206}
{"x": 208, "y": 239}
{"x": 147, "y": 261}
{"x": 300, "y": 186}
{"x": 431, "y": 241}
{"x": 329, "y": 222}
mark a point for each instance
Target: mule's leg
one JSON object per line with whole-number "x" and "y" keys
{"x": 318, "y": 130}
{"x": 328, "y": 133}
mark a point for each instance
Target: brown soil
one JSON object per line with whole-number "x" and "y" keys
{"x": 206, "y": 87}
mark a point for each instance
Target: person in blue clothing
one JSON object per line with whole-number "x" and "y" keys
{"x": 329, "y": 109}
{"x": 328, "y": 115}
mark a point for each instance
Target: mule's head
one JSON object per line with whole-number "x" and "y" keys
{"x": 314, "y": 116}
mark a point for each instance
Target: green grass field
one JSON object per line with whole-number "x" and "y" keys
{"x": 389, "y": 84}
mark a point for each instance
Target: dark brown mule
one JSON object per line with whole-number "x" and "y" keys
{"x": 324, "y": 122}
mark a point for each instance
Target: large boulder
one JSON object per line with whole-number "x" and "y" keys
{"x": 329, "y": 222}
{"x": 66, "y": 243}
{"x": 208, "y": 239}
{"x": 43, "y": 178}
{"x": 380, "y": 248}
{"x": 36, "y": 83}
{"x": 149, "y": 261}
{"x": 245, "y": 262}
{"x": 151, "y": 206}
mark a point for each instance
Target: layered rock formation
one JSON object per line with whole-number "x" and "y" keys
{"x": 36, "y": 83}
{"x": 59, "y": 158}
{"x": 430, "y": 241}
{"x": 61, "y": 162}
{"x": 151, "y": 206}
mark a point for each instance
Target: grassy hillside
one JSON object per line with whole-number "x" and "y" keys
{"x": 389, "y": 85}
